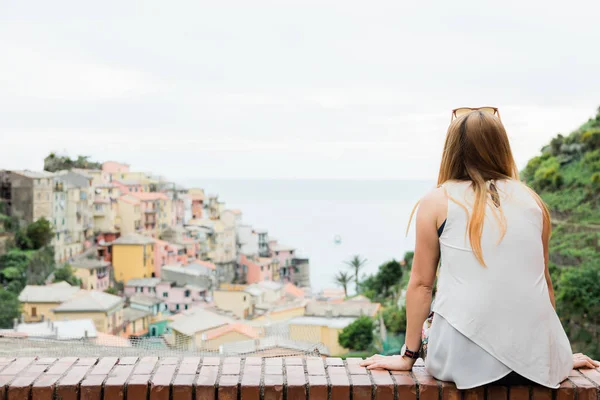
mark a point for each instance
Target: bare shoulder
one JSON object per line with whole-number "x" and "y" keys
{"x": 434, "y": 205}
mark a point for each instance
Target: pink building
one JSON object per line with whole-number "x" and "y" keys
{"x": 128, "y": 186}
{"x": 180, "y": 298}
{"x": 284, "y": 254}
{"x": 145, "y": 286}
{"x": 165, "y": 253}
{"x": 256, "y": 271}
{"x": 113, "y": 167}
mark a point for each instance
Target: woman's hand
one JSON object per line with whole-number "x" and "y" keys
{"x": 393, "y": 363}
{"x": 583, "y": 361}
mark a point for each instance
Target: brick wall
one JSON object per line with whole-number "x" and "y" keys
{"x": 233, "y": 378}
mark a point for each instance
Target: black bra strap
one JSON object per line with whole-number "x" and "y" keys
{"x": 441, "y": 228}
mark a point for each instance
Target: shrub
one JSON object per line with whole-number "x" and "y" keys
{"x": 358, "y": 335}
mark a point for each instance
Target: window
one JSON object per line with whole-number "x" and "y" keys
{"x": 262, "y": 268}
{"x": 34, "y": 311}
{"x": 186, "y": 293}
{"x": 244, "y": 298}
{"x": 165, "y": 294}
{"x": 138, "y": 289}
{"x": 177, "y": 306}
{"x": 186, "y": 306}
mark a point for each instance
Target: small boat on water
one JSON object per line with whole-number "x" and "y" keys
{"x": 337, "y": 239}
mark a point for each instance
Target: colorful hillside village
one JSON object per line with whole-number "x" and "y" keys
{"x": 170, "y": 267}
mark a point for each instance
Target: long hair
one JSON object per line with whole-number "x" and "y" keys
{"x": 477, "y": 150}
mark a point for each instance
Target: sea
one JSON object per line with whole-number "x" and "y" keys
{"x": 368, "y": 217}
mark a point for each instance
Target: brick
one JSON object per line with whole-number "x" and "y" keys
{"x": 518, "y": 393}
{"x": 104, "y": 366}
{"x": 356, "y": 369}
{"x": 293, "y": 361}
{"x": 541, "y": 393}
{"x": 114, "y": 387}
{"x": 334, "y": 361}
{"x": 336, "y": 370}
{"x": 182, "y": 387}
{"x": 87, "y": 361}
{"x": 211, "y": 361}
{"x": 273, "y": 387}
{"x": 405, "y": 384}
{"x": 592, "y": 374}
{"x": 497, "y": 393}
{"x": 584, "y": 388}
{"x": 340, "y": 387}
{"x": 450, "y": 392}
{"x": 253, "y": 361}
{"x": 205, "y": 382}
{"x": 474, "y": 394}
{"x": 296, "y": 382}
{"x": 46, "y": 360}
{"x": 251, "y": 382}
{"x": 68, "y": 387}
{"x": 61, "y": 366}
{"x": 20, "y": 387}
{"x": 169, "y": 361}
{"x": 43, "y": 388}
{"x": 428, "y": 387}
{"x": 384, "y": 385}
{"x": 189, "y": 366}
{"x": 161, "y": 382}
{"x": 317, "y": 387}
{"x": 232, "y": 360}
{"x": 137, "y": 387}
{"x": 231, "y": 369}
{"x": 315, "y": 366}
{"x": 145, "y": 366}
{"x": 277, "y": 361}
{"x": 228, "y": 387}
{"x": 91, "y": 387}
{"x": 273, "y": 369}
{"x": 18, "y": 365}
{"x": 361, "y": 387}
{"x": 128, "y": 360}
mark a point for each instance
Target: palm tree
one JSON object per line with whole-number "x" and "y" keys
{"x": 356, "y": 263}
{"x": 342, "y": 279}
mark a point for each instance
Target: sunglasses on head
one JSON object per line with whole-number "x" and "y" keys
{"x": 457, "y": 112}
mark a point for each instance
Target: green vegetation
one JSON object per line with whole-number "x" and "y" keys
{"x": 567, "y": 177}
{"x": 387, "y": 284}
{"x": 358, "y": 335}
{"x": 394, "y": 319}
{"x": 54, "y": 163}
{"x": 343, "y": 278}
{"x": 356, "y": 263}
{"x": 111, "y": 290}
{"x": 65, "y": 273}
{"x": 10, "y": 308}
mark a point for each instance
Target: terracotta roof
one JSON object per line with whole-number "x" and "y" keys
{"x": 128, "y": 199}
{"x": 206, "y": 264}
{"x": 238, "y": 327}
{"x": 147, "y": 196}
{"x": 293, "y": 290}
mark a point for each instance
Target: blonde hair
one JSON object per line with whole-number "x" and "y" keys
{"x": 477, "y": 150}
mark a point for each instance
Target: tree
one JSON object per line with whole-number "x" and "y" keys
{"x": 111, "y": 290}
{"x": 386, "y": 284}
{"x": 65, "y": 274}
{"x": 342, "y": 279}
{"x": 40, "y": 233}
{"x": 356, "y": 263}
{"x": 11, "y": 308}
{"x": 394, "y": 319}
{"x": 358, "y": 335}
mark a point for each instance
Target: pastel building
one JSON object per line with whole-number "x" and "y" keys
{"x": 93, "y": 273}
{"x": 106, "y": 310}
{"x": 196, "y": 197}
{"x": 141, "y": 286}
{"x": 284, "y": 255}
{"x": 256, "y": 271}
{"x": 155, "y": 211}
{"x": 133, "y": 257}
{"x": 130, "y": 215}
{"x": 114, "y": 167}
{"x": 38, "y": 302}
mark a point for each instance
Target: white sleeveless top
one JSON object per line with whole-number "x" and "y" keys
{"x": 502, "y": 309}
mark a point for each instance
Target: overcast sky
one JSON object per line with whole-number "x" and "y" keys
{"x": 287, "y": 89}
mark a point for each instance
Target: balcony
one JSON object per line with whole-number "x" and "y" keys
{"x": 232, "y": 378}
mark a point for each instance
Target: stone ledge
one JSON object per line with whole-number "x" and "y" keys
{"x": 290, "y": 378}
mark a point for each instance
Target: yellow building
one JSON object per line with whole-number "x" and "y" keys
{"x": 106, "y": 310}
{"x": 133, "y": 257}
{"x": 37, "y": 302}
{"x": 237, "y": 302}
{"x": 235, "y": 332}
{"x": 129, "y": 217}
{"x": 93, "y": 273}
{"x": 136, "y": 322}
{"x": 320, "y": 330}
{"x": 282, "y": 313}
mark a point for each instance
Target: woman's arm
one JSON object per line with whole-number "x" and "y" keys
{"x": 432, "y": 211}
{"x": 546, "y": 243}
{"x": 422, "y": 277}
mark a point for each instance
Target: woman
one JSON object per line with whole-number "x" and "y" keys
{"x": 494, "y": 313}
